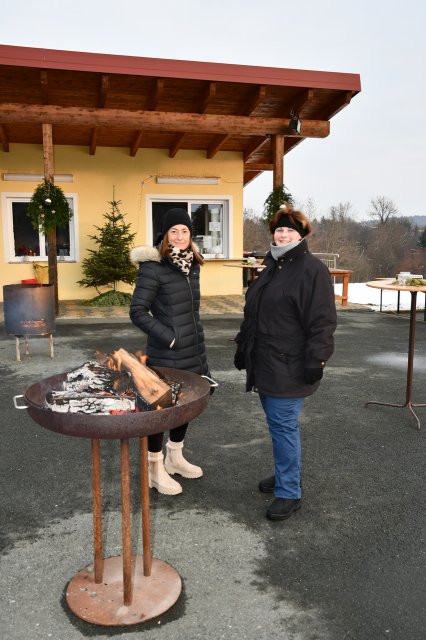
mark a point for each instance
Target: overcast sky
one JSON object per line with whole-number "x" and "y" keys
{"x": 377, "y": 145}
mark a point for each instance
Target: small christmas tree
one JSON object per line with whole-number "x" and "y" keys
{"x": 110, "y": 263}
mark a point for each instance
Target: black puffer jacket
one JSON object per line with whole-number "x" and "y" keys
{"x": 166, "y": 306}
{"x": 289, "y": 321}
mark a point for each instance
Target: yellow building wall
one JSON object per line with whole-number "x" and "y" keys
{"x": 134, "y": 182}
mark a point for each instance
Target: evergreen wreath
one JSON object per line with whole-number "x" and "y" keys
{"x": 48, "y": 208}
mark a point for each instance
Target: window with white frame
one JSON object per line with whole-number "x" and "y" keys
{"x": 210, "y": 222}
{"x": 23, "y": 243}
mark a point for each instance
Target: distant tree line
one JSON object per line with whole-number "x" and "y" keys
{"x": 380, "y": 246}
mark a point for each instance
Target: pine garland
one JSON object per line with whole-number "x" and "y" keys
{"x": 277, "y": 197}
{"x": 49, "y": 208}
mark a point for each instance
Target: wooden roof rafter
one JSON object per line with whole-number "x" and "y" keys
{"x": 157, "y": 94}
{"x": 3, "y": 139}
{"x": 338, "y": 104}
{"x": 249, "y": 176}
{"x": 217, "y": 143}
{"x": 96, "y": 99}
{"x": 254, "y": 146}
{"x": 302, "y": 100}
{"x": 207, "y": 97}
{"x": 176, "y": 144}
{"x": 136, "y": 143}
{"x": 44, "y": 86}
{"x": 256, "y": 99}
{"x": 103, "y": 93}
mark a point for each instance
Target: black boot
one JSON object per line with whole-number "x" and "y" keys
{"x": 267, "y": 485}
{"x": 282, "y": 508}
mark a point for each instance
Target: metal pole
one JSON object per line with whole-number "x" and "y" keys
{"x": 97, "y": 510}
{"x": 146, "y": 518}
{"x": 125, "y": 520}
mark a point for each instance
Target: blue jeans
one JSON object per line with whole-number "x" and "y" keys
{"x": 282, "y": 416}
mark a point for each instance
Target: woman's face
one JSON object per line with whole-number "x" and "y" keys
{"x": 285, "y": 235}
{"x": 179, "y": 236}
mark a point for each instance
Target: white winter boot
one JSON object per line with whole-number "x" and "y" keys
{"x": 176, "y": 463}
{"x": 158, "y": 476}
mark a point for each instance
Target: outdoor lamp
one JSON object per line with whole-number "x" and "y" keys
{"x": 295, "y": 123}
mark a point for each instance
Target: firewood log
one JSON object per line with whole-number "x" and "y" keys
{"x": 146, "y": 382}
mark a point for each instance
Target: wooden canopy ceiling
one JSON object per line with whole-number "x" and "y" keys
{"x": 122, "y": 101}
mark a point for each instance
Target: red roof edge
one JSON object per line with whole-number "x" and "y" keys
{"x": 158, "y": 67}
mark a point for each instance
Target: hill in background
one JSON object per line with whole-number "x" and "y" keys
{"x": 419, "y": 221}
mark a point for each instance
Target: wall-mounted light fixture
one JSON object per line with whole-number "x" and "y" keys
{"x": 187, "y": 180}
{"x": 295, "y": 123}
{"x": 37, "y": 177}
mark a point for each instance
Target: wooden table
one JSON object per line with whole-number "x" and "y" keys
{"x": 390, "y": 286}
{"x": 253, "y": 269}
{"x": 345, "y": 274}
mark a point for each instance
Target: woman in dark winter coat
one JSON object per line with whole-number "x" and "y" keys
{"x": 284, "y": 343}
{"x": 165, "y": 305}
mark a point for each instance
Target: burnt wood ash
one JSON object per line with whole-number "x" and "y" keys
{"x": 93, "y": 376}
{"x": 96, "y": 388}
{"x": 84, "y": 402}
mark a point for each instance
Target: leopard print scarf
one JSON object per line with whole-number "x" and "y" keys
{"x": 181, "y": 258}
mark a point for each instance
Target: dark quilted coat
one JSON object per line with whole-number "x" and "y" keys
{"x": 166, "y": 306}
{"x": 289, "y": 322}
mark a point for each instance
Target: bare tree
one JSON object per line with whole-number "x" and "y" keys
{"x": 382, "y": 209}
{"x": 256, "y": 236}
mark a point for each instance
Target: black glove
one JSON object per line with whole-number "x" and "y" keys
{"x": 313, "y": 375}
{"x": 239, "y": 360}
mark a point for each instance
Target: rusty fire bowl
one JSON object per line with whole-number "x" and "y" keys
{"x": 193, "y": 398}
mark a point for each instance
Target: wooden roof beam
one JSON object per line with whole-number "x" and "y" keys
{"x": 216, "y": 145}
{"x": 207, "y": 97}
{"x": 176, "y": 145}
{"x": 94, "y": 141}
{"x": 158, "y": 120}
{"x": 3, "y": 139}
{"x": 159, "y": 90}
{"x": 44, "y": 87}
{"x": 254, "y": 146}
{"x": 255, "y": 100}
{"x": 136, "y": 143}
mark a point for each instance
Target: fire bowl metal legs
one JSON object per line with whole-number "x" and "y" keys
{"x": 126, "y": 589}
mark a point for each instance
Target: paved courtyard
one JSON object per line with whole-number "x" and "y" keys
{"x": 351, "y": 565}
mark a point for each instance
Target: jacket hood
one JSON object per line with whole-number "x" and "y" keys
{"x": 148, "y": 254}
{"x": 144, "y": 254}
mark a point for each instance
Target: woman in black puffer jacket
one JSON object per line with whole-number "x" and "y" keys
{"x": 166, "y": 306}
{"x": 284, "y": 343}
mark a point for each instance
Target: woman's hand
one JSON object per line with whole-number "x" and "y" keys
{"x": 239, "y": 360}
{"x": 313, "y": 375}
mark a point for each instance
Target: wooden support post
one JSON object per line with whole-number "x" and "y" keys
{"x": 51, "y": 236}
{"x": 278, "y": 160}
{"x": 97, "y": 510}
{"x": 126, "y": 521}
{"x": 146, "y": 518}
